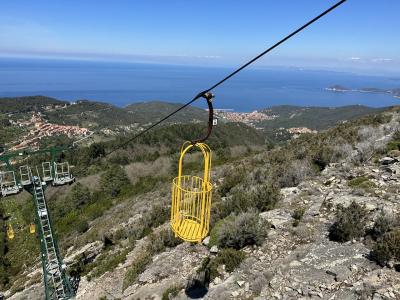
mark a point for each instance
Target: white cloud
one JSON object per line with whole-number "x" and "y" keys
{"x": 377, "y": 60}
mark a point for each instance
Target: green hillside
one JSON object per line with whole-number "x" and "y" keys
{"x": 150, "y": 112}
{"x": 99, "y": 115}
{"x": 90, "y": 114}
{"x": 26, "y": 104}
{"x": 317, "y": 118}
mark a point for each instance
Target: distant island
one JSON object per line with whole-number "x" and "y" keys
{"x": 341, "y": 89}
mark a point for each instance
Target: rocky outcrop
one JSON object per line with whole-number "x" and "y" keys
{"x": 293, "y": 263}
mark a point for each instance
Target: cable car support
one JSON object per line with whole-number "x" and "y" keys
{"x": 56, "y": 282}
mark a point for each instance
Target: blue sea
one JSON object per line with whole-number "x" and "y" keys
{"x": 125, "y": 83}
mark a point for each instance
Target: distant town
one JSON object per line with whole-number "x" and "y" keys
{"x": 254, "y": 117}
{"x": 248, "y": 118}
{"x": 38, "y": 128}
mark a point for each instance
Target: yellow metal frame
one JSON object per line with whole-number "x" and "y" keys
{"x": 32, "y": 228}
{"x": 10, "y": 232}
{"x": 191, "y": 199}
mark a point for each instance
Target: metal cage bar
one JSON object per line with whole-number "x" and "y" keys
{"x": 24, "y": 172}
{"x": 8, "y": 184}
{"x": 62, "y": 174}
{"x": 191, "y": 199}
{"x": 47, "y": 172}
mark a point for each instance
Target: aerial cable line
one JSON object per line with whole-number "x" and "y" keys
{"x": 205, "y": 92}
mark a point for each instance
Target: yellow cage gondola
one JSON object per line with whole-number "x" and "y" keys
{"x": 10, "y": 232}
{"x": 32, "y": 228}
{"x": 191, "y": 195}
{"x": 191, "y": 199}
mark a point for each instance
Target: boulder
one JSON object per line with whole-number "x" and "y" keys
{"x": 277, "y": 218}
{"x": 387, "y": 160}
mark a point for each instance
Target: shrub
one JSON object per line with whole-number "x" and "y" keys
{"x": 382, "y": 225}
{"x": 370, "y": 142}
{"x": 296, "y": 172}
{"x": 241, "y": 230}
{"x": 82, "y": 226}
{"x": 387, "y": 248}
{"x": 136, "y": 268}
{"x": 214, "y": 233}
{"x": 158, "y": 241}
{"x": 229, "y": 257}
{"x": 350, "y": 223}
{"x": 171, "y": 292}
{"x": 108, "y": 262}
{"x": 297, "y": 216}
{"x": 114, "y": 180}
{"x": 231, "y": 181}
{"x": 80, "y": 195}
{"x": 361, "y": 182}
{"x": 158, "y": 215}
{"x": 162, "y": 239}
{"x": 263, "y": 198}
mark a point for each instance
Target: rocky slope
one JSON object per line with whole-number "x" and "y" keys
{"x": 293, "y": 262}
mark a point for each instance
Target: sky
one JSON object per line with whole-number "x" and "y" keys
{"x": 360, "y": 35}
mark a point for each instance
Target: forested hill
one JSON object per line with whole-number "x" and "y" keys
{"x": 146, "y": 112}
{"x": 317, "y": 118}
{"x": 27, "y": 104}
{"x": 97, "y": 115}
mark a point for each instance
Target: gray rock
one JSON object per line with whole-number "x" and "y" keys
{"x": 387, "y": 160}
{"x": 214, "y": 249}
{"x": 277, "y": 217}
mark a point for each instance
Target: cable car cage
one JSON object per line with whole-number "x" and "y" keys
{"x": 191, "y": 195}
{"x": 8, "y": 184}
{"x": 62, "y": 174}
{"x": 55, "y": 278}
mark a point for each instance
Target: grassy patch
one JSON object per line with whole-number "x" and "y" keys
{"x": 361, "y": 182}
{"x": 137, "y": 267}
{"x": 107, "y": 262}
{"x": 229, "y": 257}
{"x": 172, "y": 291}
{"x": 157, "y": 243}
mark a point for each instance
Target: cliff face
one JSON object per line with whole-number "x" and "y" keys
{"x": 298, "y": 258}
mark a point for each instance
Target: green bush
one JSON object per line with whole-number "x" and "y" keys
{"x": 231, "y": 181}
{"x": 171, "y": 292}
{"x": 263, "y": 198}
{"x": 136, "y": 268}
{"x": 108, "y": 262}
{"x": 162, "y": 239}
{"x": 394, "y": 144}
{"x": 241, "y": 230}
{"x": 383, "y": 224}
{"x": 387, "y": 248}
{"x": 214, "y": 233}
{"x": 157, "y": 215}
{"x": 361, "y": 182}
{"x": 297, "y": 216}
{"x": 114, "y": 180}
{"x": 157, "y": 242}
{"x": 229, "y": 257}
{"x": 82, "y": 226}
{"x": 79, "y": 195}
{"x": 350, "y": 223}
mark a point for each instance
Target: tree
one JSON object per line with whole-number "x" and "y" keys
{"x": 114, "y": 180}
{"x": 80, "y": 195}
